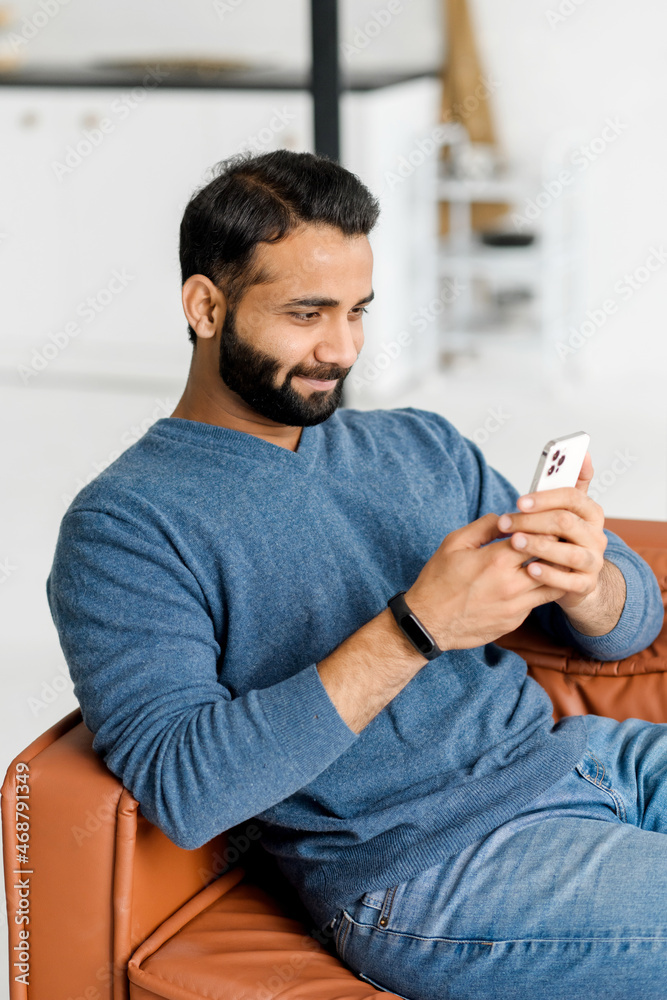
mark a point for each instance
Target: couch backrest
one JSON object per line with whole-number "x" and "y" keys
{"x": 98, "y": 878}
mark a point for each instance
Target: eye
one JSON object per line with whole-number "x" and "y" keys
{"x": 307, "y": 316}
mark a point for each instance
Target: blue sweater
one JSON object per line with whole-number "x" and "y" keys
{"x": 199, "y": 579}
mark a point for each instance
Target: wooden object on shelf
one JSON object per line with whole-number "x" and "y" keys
{"x": 462, "y": 83}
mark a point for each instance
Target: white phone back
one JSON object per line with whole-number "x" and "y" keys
{"x": 560, "y": 462}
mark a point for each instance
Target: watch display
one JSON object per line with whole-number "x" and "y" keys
{"x": 412, "y": 628}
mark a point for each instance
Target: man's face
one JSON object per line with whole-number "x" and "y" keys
{"x": 304, "y": 324}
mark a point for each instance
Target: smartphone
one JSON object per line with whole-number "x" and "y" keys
{"x": 560, "y": 462}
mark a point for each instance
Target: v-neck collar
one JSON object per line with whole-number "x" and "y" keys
{"x": 240, "y": 442}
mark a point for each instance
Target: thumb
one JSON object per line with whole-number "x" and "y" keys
{"x": 586, "y": 474}
{"x": 479, "y": 532}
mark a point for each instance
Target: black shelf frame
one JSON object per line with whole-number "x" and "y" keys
{"x": 325, "y": 83}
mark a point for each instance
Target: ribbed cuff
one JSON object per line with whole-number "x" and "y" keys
{"x": 306, "y": 723}
{"x": 642, "y": 615}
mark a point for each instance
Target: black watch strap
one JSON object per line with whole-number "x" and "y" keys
{"x": 412, "y": 628}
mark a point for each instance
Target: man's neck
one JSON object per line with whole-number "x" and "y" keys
{"x": 223, "y": 413}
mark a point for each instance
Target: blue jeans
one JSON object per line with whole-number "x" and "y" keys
{"x": 566, "y": 901}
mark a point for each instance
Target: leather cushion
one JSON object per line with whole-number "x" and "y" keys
{"x": 233, "y": 942}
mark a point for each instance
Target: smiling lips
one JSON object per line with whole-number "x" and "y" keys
{"x": 318, "y": 383}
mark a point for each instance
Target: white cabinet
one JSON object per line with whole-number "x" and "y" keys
{"x": 387, "y": 141}
{"x": 93, "y": 187}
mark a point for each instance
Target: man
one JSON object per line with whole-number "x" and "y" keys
{"x": 221, "y": 594}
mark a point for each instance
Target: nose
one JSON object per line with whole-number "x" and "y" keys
{"x": 341, "y": 343}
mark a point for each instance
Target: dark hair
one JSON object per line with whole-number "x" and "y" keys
{"x": 261, "y": 199}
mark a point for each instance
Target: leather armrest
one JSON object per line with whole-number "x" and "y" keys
{"x": 100, "y": 877}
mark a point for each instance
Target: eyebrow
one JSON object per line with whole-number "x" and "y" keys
{"x": 323, "y": 301}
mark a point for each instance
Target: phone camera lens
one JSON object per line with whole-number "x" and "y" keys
{"x": 555, "y": 456}
{"x": 551, "y": 470}
{"x": 561, "y": 459}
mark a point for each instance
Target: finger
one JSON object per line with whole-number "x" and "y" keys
{"x": 480, "y": 532}
{"x": 577, "y": 557}
{"x": 565, "y": 498}
{"x": 543, "y": 595}
{"x": 571, "y": 582}
{"x": 563, "y": 524}
{"x": 554, "y": 525}
{"x": 509, "y": 531}
{"x": 585, "y": 474}
{"x": 521, "y": 561}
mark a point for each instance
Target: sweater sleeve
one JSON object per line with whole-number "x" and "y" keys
{"x": 642, "y": 616}
{"x": 139, "y": 642}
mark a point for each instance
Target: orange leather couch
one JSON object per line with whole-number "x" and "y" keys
{"x": 115, "y": 910}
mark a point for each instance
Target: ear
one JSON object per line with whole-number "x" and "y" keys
{"x": 204, "y": 305}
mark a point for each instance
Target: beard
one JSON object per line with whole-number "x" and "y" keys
{"x": 251, "y": 375}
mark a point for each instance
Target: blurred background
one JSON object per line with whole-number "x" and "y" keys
{"x": 519, "y": 154}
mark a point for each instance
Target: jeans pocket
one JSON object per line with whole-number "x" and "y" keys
{"x": 369, "y": 911}
{"x": 374, "y": 898}
{"x": 374, "y": 907}
{"x": 593, "y": 770}
{"x": 378, "y": 986}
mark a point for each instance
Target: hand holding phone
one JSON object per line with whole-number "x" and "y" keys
{"x": 560, "y": 462}
{"x": 567, "y": 551}
{"x": 559, "y": 465}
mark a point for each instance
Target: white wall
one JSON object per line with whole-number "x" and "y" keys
{"x": 605, "y": 60}
{"x": 275, "y": 32}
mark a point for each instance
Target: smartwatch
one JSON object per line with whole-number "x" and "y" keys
{"x": 412, "y": 628}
